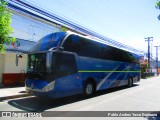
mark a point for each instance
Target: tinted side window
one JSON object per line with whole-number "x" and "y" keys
{"x": 90, "y": 48}
{"x": 82, "y": 46}
{"x": 121, "y": 55}
{"x": 72, "y": 44}
{"x": 65, "y": 65}
{"x": 86, "y": 47}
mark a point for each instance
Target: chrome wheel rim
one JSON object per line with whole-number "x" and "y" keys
{"x": 89, "y": 89}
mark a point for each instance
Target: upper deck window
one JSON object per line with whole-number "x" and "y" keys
{"x": 94, "y": 49}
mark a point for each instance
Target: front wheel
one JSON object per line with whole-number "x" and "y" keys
{"x": 89, "y": 89}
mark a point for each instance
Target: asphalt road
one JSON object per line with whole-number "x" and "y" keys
{"x": 143, "y": 96}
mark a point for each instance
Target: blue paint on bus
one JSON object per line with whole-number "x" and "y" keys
{"x": 55, "y": 72}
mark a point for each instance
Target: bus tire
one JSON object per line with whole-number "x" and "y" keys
{"x": 89, "y": 88}
{"x": 130, "y": 82}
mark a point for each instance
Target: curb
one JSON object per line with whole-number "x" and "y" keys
{"x": 13, "y": 96}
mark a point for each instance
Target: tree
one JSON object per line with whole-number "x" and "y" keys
{"x": 157, "y": 4}
{"x": 5, "y": 25}
{"x": 64, "y": 29}
{"x": 144, "y": 67}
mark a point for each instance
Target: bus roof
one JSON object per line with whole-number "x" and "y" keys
{"x": 54, "y": 39}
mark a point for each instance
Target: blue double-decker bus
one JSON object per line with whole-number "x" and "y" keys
{"x": 63, "y": 64}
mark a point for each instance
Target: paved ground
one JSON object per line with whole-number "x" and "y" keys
{"x": 12, "y": 92}
{"x": 144, "y": 96}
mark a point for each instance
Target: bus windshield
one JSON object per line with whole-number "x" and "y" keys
{"x": 61, "y": 65}
{"x": 37, "y": 65}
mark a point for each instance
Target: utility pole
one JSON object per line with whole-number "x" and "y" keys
{"x": 148, "y": 40}
{"x": 157, "y": 58}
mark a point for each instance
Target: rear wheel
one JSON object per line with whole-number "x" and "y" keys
{"x": 89, "y": 89}
{"x": 130, "y": 82}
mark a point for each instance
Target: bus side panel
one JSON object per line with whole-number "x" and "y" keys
{"x": 120, "y": 77}
{"x": 69, "y": 85}
{"x": 134, "y": 73}
{"x": 107, "y": 73}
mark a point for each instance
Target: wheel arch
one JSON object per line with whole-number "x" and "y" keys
{"x": 130, "y": 78}
{"x": 90, "y": 79}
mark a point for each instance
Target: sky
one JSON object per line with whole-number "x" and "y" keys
{"x": 126, "y": 21}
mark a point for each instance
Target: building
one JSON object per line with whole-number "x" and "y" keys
{"x": 10, "y": 74}
{"x": 27, "y": 30}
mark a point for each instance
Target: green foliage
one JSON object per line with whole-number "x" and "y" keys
{"x": 5, "y": 25}
{"x": 143, "y": 67}
{"x": 157, "y": 4}
{"x": 64, "y": 29}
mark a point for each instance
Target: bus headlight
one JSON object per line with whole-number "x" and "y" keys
{"x": 49, "y": 87}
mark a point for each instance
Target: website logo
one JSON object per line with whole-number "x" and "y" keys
{"x": 6, "y": 114}
{"x": 16, "y": 44}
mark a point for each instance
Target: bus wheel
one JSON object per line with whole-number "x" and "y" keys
{"x": 89, "y": 89}
{"x": 130, "y": 82}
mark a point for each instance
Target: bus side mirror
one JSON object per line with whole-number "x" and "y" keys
{"x": 17, "y": 59}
